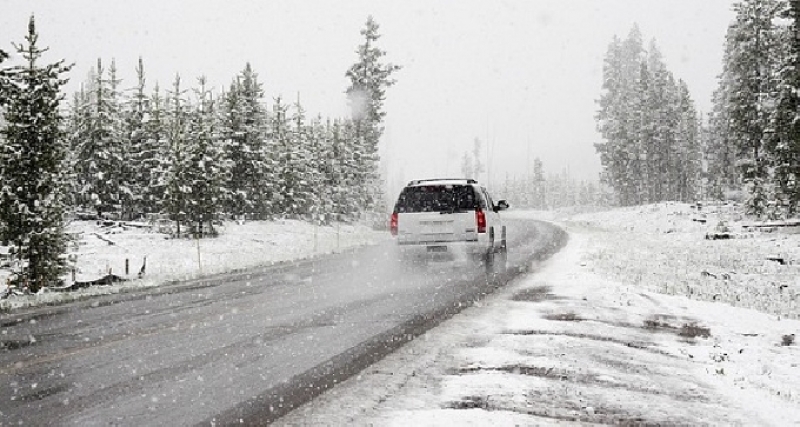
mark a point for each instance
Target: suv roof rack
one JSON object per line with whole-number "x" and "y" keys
{"x": 420, "y": 181}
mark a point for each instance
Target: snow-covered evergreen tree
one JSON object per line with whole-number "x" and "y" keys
{"x": 687, "y": 165}
{"x": 74, "y": 129}
{"x": 284, "y": 175}
{"x": 32, "y": 202}
{"x": 177, "y": 191}
{"x": 649, "y": 126}
{"x": 155, "y": 154}
{"x": 352, "y": 186}
{"x": 751, "y": 62}
{"x": 321, "y": 202}
{"x": 619, "y": 149}
{"x": 100, "y": 162}
{"x": 121, "y": 140}
{"x": 143, "y": 151}
{"x": 300, "y": 168}
{"x": 244, "y": 133}
{"x": 785, "y": 142}
{"x": 337, "y": 171}
{"x": 203, "y": 170}
{"x": 369, "y": 79}
{"x": 719, "y": 152}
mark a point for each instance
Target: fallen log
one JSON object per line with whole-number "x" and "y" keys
{"x": 108, "y": 279}
{"x": 105, "y": 239}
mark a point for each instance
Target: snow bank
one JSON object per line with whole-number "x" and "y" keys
{"x": 102, "y": 250}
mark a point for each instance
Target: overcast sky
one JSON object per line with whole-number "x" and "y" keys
{"x": 523, "y": 76}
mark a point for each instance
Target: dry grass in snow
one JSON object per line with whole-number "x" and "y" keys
{"x": 662, "y": 248}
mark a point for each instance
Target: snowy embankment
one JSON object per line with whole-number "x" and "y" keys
{"x": 620, "y": 327}
{"x": 663, "y": 248}
{"x": 102, "y": 250}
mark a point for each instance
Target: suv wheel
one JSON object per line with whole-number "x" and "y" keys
{"x": 503, "y": 251}
{"x": 501, "y": 260}
{"x": 496, "y": 257}
{"x": 488, "y": 261}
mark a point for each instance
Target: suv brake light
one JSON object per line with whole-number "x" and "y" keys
{"x": 480, "y": 218}
{"x": 393, "y": 224}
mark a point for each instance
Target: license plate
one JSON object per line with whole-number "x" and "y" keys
{"x": 437, "y": 248}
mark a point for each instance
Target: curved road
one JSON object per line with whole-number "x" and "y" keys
{"x": 239, "y": 348}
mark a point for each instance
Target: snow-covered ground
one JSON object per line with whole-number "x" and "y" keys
{"x": 622, "y": 326}
{"x": 102, "y": 250}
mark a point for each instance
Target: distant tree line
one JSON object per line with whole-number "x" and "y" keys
{"x": 187, "y": 153}
{"x": 535, "y": 190}
{"x": 753, "y": 135}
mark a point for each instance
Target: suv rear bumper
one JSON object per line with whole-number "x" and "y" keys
{"x": 405, "y": 242}
{"x": 474, "y": 246}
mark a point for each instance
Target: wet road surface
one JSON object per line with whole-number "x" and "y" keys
{"x": 246, "y": 347}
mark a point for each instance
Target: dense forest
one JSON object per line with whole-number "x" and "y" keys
{"x": 184, "y": 153}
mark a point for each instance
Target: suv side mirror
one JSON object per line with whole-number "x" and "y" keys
{"x": 501, "y": 205}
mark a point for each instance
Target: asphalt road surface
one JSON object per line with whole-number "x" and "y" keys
{"x": 239, "y": 348}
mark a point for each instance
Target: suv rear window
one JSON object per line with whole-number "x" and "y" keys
{"x": 437, "y": 198}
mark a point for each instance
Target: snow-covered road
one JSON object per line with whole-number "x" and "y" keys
{"x": 568, "y": 345}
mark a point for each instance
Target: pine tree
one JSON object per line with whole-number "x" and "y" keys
{"x": 121, "y": 145}
{"x": 73, "y": 132}
{"x": 369, "y": 79}
{"x": 351, "y": 186}
{"x": 244, "y": 132}
{"x": 301, "y": 165}
{"x": 620, "y": 153}
{"x": 751, "y": 63}
{"x": 649, "y": 126}
{"x": 155, "y": 155}
{"x": 687, "y": 166}
{"x": 338, "y": 167}
{"x": 32, "y": 205}
{"x": 720, "y": 152}
{"x": 320, "y": 202}
{"x": 100, "y": 162}
{"x": 786, "y": 120}
{"x": 660, "y": 159}
{"x": 203, "y": 169}
{"x": 177, "y": 191}
{"x": 142, "y": 158}
{"x": 284, "y": 174}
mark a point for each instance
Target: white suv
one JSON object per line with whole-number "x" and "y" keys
{"x": 445, "y": 215}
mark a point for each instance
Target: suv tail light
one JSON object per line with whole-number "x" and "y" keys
{"x": 393, "y": 224}
{"x": 480, "y": 218}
